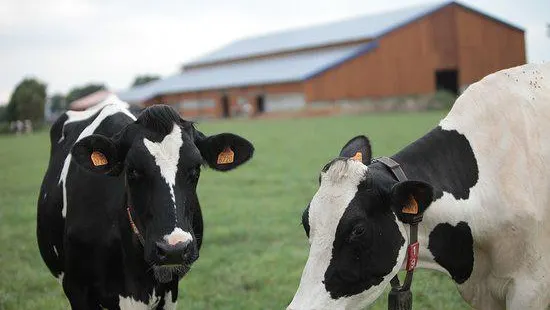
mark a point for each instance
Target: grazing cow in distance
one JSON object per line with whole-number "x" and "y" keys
{"x": 476, "y": 190}
{"x": 119, "y": 221}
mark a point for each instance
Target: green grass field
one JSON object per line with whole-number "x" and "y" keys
{"x": 254, "y": 247}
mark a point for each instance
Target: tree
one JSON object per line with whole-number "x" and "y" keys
{"x": 27, "y": 101}
{"x": 58, "y": 103}
{"x": 144, "y": 79}
{"x": 3, "y": 113}
{"x": 81, "y": 91}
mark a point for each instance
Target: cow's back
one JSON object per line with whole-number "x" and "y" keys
{"x": 65, "y": 132}
{"x": 506, "y": 119}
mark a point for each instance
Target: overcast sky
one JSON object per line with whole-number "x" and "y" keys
{"x": 72, "y": 42}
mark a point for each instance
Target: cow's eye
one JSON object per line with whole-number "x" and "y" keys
{"x": 357, "y": 232}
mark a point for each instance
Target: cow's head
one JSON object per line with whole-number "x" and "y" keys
{"x": 160, "y": 156}
{"x": 356, "y": 230}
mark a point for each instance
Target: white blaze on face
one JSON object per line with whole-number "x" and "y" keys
{"x": 177, "y": 236}
{"x": 167, "y": 155}
{"x": 338, "y": 187}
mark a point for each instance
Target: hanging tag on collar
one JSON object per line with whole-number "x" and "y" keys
{"x": 412, "y": 256}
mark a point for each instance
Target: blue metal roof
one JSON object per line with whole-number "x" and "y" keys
{"x": 359, "y": 28}
{"x": 289, "y": 68}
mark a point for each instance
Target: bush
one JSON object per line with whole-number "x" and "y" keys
{"x": 3, "y": 113}
{"x": 27, "y": 101}
{"x": 4, "y": 128}
{"x": 442, "y": 99}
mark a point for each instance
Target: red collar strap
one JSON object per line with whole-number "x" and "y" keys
{"x": 400, "y": 296}
{"x": 134, "y": 227}
{"x": 129, "y": 212}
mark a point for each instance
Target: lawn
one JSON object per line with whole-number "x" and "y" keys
{"x": 254, "y": 247}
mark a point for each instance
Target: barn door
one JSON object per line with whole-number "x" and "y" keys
{"x": 225, "y": 106}
{"x": 447, "y": 80}
{"x": 260, "y": 104}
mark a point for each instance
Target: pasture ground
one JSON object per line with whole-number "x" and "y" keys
{"x": 254, "y": 247}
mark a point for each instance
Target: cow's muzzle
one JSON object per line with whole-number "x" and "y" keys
{"x": 173, "y": 260}
{"x": 181, "y": 253}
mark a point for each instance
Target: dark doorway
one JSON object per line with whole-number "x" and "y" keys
{"x": 260, "y": 104}
{"x": 447, "y": 80}
{"x": 225, "y": 106}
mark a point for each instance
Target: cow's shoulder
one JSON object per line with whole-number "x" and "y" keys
{"x": 522, "y": 90}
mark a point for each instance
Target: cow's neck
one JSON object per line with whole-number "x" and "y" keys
{"x": 133, "y": 251}
{"x": 445, "y": 160}
{"x": 138, "y": 275}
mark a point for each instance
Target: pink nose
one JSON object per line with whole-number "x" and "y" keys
{"x": 177, "y": 236}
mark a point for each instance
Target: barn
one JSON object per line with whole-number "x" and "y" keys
{"x": 411, "y": 51}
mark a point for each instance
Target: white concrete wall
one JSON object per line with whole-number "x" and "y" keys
{"x": 284, "y": 102}
{"x": 195, "y": 104}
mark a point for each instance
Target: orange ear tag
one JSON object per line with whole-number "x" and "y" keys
{"x": 98, "y": 159}
{"x": 358, "y": 156}
{"x": 411, "y": 207}
{"x": 226, "y": 157}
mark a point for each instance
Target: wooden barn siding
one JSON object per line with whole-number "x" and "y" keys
{"x": 486, "y": 46}
{"x": 403, "y": 63}
{"x": 406, "y": 59}
{"x": 233, "y": 93}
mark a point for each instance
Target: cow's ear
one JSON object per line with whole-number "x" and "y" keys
{"x": 410, "y": 199}
{"x": 98, "y": 154}
{"x": 224, "y": 151}
{"x": 359, "y": 149}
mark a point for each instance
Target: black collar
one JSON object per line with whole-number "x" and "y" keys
{"x": 400, "y": 296}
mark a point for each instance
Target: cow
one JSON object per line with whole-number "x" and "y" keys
{"x": 476, "y": 189}
{"x": 119, "y": 221}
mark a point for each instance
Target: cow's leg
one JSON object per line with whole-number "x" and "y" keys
{"x": 79, "y": 295}
{"x": 171, "y": 299}
{"x": 528, "y": 294}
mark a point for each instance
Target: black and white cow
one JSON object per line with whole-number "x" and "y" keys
{"x": 119, "y": 222}
{"x": 481, "y": 180}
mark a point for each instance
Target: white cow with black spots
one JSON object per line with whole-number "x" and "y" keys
{"x": 481, "y": 180}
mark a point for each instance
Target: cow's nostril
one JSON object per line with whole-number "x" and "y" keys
{"x": 161, "y": 253}
{"x": 161, "y": 250}
{"x": 180, "y": 253}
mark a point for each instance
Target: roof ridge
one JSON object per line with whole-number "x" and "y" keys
{"x": 342, "y": 20}
{"x": 423, "y": 8}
